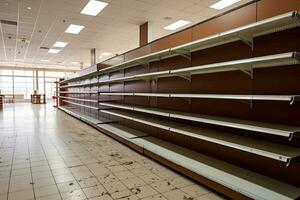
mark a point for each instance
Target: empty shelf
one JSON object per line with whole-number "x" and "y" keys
{"x": 288, "y": 98}
{"x": 84, "y": 117}
{"x": 245, "y": 33}
{"x": 84, "y": 100}
{"x": 122, "y": 131}
{"x": 283, "y": 59}
{"x": 261, "y": 127}
{"x": 69, "y": 92}
{"x": 82, "y": 105}
{"x": 79, "y": 85}
{"x": 270, "y": 150}
{"x": 248, "y": 183}
{"x": 86, "y": 72}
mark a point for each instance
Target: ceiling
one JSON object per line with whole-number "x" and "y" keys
{"x": 41, "y": 23}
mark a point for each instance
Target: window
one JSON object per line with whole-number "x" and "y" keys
{"x": 22, "y": 83}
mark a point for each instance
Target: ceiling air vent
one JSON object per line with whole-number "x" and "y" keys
{"x": 7, "y": 22}
{"x": 45, "y": 48}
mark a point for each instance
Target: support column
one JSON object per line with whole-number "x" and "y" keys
{"x": 144, "y": 34}
{"x": 93, "y": 56}
{"x": 37, "y": 80}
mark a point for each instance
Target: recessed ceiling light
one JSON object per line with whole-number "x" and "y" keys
{"x": 44, "y": 60}
{"x": 28, "y": 8}
{"x": 74, "y": 29}
{"x": 176, "y": 25}
{"x": 53, "y": 51}
{"x": 223, "y": 4}
{"x": 105, "y": 54}
{"x": 60, "y": 44}
{"x": 93, "y": 7}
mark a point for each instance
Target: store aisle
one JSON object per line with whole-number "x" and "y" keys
{"x": 47, "y": 154}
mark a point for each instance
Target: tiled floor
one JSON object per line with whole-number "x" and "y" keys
{"x": 47, "y": 155}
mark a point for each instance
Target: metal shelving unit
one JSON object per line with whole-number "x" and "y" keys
{"x": 244, "y": 181}
{"x": 261, "y": 127}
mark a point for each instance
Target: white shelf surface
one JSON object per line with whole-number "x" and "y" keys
{"x": 79, "y": 85}
{"x": 82, "y": 105}
{"x": 266, "y": 149}
{"x": 84, "y": 117}
{"x": 288, "y": 98}
{"x": 244, "y": 33}
{"x": 262, "y": 127}
{"x": 122, "y": 131}
{"x": 77, "y": 99}
{"x": 245, "y": 65}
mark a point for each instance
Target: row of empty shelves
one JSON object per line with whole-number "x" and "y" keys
{"x": 262, "y": 148}
{"x": 248, "y": 183}
{"x": 245, "y": 65}
{"x": 286, "y": 131}
{"x": 245, "y": 33}
{"x": 288, "y": 98}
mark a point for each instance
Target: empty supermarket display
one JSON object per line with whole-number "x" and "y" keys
{"x": 221, "y": 107}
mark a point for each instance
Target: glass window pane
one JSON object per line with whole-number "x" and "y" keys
{"x": 5, "y": 72}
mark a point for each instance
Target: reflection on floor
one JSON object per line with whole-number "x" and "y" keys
{"x": 46, "y": 154}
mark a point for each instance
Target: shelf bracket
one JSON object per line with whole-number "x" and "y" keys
{"x": 288, "y": 162}
{"x": 247, "y": 39}
{"x": 297, "y": 19}
{"x": 184, "y": 53}
{"x": 247, "y": 70}
{"x": 294, "y": 99}
{"x": 248, "y": 102}
{"x": 186, "y": 77}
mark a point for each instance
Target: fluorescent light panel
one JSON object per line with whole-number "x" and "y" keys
{"x": 53, "y": 51}
{"x": 105, "y": 54}
{"x": 74, "y": 29}
{"x": 223, "y": 4}
{"x": 176, "y": 25}
{"x": 44, "y": 60}
{"x": 93, "y": 7}
{"x": 60, "y": 44}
